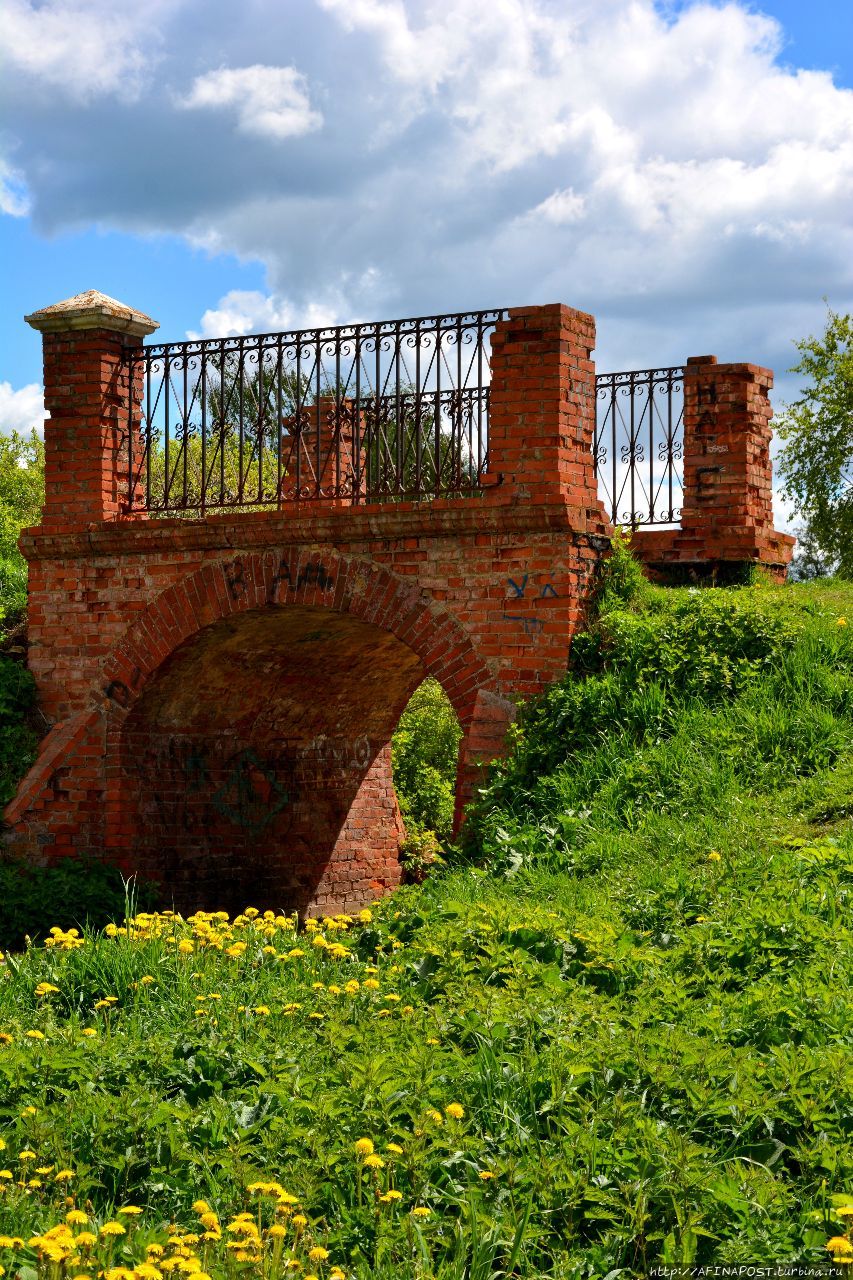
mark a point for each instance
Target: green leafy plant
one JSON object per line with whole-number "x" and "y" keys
{"x": 424, "y": 755}
{"x": 816, "y": 461}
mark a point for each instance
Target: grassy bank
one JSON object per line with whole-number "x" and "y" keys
{"x": 615, "y": 1033}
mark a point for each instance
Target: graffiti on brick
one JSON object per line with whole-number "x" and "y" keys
{"x": 528, "y": 587}
{"x": 235, "y": 577}
{"x": 540, "y": 591}
{"x": 310, "y": 575}
{"x": 188, "y": 776}
{"x": 530, "y": 626}
{"x": 251, "y": 795}
{"x": 341, "y": 755}
{"x": 119, "y": 692}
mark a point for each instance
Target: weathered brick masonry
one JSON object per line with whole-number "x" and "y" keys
{"x": 223, "y": 691}
{"x": 727, "y": 516}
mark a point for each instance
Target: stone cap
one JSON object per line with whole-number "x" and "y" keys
{"x": 91, "y": 310}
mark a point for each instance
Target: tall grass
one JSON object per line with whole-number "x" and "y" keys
{"x": 634, "y": 980}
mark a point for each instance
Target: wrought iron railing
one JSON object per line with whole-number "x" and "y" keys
{"x": 358, "y": 413}
{"x": 639, "y": 445}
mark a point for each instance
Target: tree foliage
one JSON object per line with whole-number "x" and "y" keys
{"x": 21, "y": 501}
{"x": 424, "y": 752}
{"x": 816, "y": 462}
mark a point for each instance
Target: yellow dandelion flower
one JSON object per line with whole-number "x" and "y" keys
{"x": 112, "y": 1229}
{"x": 846, "y": 1211}
{"x": 261, "y": 1009}
{"x": 435, "y": 1116}
{"x": 364, "y": 1147}
{"x": 432, "y": 1040}
{"x": 299, "y": 1221}
{"x": 76, "y": 1218}
{"x": 391, "y": 1197}
{"x": 841, "y": 622}
{"x": 371, "y": 984}
{"x": 374, "y": 1162}
{"x": 318, "y": 1253}
{"x": 454, "y": 1111}
{"x": 63, "y": 1175}
{"x": 46, "y": 989}
{"x": 839, "y": 1245}
{"x": 394, "y": 1148}
{"x": 35, "y": 1035}
{"x": 713, "y": 856}
{"x": 486, "y": 1175}
{"x": 89, "y": 1032}
{"x": 129, "y": 1210}
{"x": 421, "y": 1211}
{"x": 277, "y": 1231}
{"x": 5, "y": 1038}
{"x": 27, "y": 1154}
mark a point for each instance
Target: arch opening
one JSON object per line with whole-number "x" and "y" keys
{"x": 255, "y": 766}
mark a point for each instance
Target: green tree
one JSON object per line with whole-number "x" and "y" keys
{"x": 816, "y": 463}
{"x": 424, "y": 752}
{"x": 21, "y": 501}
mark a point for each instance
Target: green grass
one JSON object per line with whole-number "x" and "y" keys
{"x": 634, "y": 977}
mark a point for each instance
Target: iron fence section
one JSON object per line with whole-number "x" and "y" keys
{"x": 362, "y": 413}
{"x": 639, "y": 445}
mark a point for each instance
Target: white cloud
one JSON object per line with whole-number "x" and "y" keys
{"x": 21, "y": 410}
{"x": 84, "y": 47}
{"x": 667, "y": 173}
{"x": 269, "y": 101}
{"x": 14, "y": 197}
{"x": 561, "y": 207}
{"x": 248, "y": 311}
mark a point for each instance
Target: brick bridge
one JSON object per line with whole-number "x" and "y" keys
{"x": 222, "y": 685}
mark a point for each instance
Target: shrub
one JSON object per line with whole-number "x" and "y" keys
{"x": 72, "y": 893}
{"x": 17, "y": 740}
{"x": 424, "y": 753}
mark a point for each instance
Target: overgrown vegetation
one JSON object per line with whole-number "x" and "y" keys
{"x": 616, "y": 1034}
{"x": 424, "y": 754}
{"x": 21, "y": 500}
{"x": 816, "y": 461}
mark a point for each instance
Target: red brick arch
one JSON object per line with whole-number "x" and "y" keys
{"x": 248, "y": 713}
{"x": 271, "y": 579}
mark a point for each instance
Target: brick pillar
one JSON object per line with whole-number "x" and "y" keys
{"x": 87, "y": 392}
{"x": 542, "y": 411}
{"x": 727, "y": 510}
{"x": 327, "y": 432}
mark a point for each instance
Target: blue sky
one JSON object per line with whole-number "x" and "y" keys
{"x": 684, "y": 170}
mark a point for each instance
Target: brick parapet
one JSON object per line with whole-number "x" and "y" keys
{"x": 87, "y": 386}
{"x": 727, "y": 509}
{"x": 542, "y": 411}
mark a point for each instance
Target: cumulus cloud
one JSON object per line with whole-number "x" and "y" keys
{"x": 243, "y": 311}
{"x": 85, "y": 48}
{"x": 664, "y": 171}
{"x": 21, "y": 410}
{"x": 269, "y": 101}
